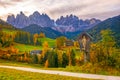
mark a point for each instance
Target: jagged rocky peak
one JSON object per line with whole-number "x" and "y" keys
{"x": 73, "y": 23}
{"x": 11, "y": 16}
{"x": 22, "y": 20}
{"x": 36, "y": 14}
{"x": 21, "y": 13}
{"x": 63, "y": 24}
{"x": 11, "y": 19}
{"x": 68, "y": 20}
{"x": 94, "y": 21}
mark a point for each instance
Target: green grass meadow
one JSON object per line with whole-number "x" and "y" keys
{"x": 11, "y": 74}
{"x": 27, "y": 48}
{"x": 51, "y": 42}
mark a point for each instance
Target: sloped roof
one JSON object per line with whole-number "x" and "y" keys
{"x": 36, "y": 52}
{"x": 86, "y": 34}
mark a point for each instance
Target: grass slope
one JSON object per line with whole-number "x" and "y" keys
{"x": 110, "y": 23}
{"x": 23, "y": 47}
{"x": 79, "y": 69}
{"x": 11, "y": 74}
{"x": 51, "y": 42}
{"x": 9, "y": 31}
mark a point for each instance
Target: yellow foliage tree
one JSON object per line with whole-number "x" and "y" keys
{"x": 35, "y": 37}
{"x": 60, "y": 42}
{"x": 45, "y": 48}
{"x": 25, "y": 56}
{"x": 59, "y": 53}
{"x": 76, "y": 44}
{"x": 69, "y": 56}
{"x": 42, "y": 35}
{"x": 102, "y": 51}
{"x": 46, "y": 64}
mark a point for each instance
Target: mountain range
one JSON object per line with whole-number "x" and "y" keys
{"x": 69, "y": 23}
{"x": 111, "y": 23}
{"x": 33, "y": 28}
{"x": 72, "y": 23}
{"x": 70, "y": 26}
{"x": 21, "y": 20}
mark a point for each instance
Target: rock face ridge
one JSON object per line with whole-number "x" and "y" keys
{"x": 69, "y": 23}
{"x": 21, "y": 21}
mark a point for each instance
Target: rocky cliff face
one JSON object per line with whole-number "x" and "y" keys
{"x": 21, "y": 21}
{"x": 73, "y": 23}
{"x": 69, "y": 23}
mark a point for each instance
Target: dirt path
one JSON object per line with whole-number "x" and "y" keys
{"x": 81, "y": 75}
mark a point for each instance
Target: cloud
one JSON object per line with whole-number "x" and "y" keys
{"x": 87, "y": 8}
{"x": 57, "y": 8}
{"x": 9, "y": 3}
{"x": 17, "y": 0}
{"x": 71, "y": 7}
{"x": 5, "y": 4}
{"x": 102, "y": 15}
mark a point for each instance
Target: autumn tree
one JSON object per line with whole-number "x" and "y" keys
{"x": 13, "y": 50}
{"x": 44, "y": 57}
{"x": 45, "y": 48}
{"x": 60, "y": 59}
{"x": 42, "y": 35}
{"x": 35, "y": 58}
{"x": 46, "y": 64}
{"x": 35, "y": 38}
{"x": 40, "y": 59}
{"x": 71, "y": 57}
{"x": 45, "y": 52}
{"x": 1, "y": 35}
{"x": 76, "y": 44}
{"x": 103, "y": 52}
{"x": 60, "y": 42}
{"x": 108, "y": 41}
{"x": 5, "y": 39}
{"x": 64, "y": 60}
{"x": 25, "y": 56}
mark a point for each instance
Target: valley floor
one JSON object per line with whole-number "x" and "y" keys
{"x": 80, "y": 75}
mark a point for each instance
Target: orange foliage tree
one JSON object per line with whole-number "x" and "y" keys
{"x": 42, "y": 35}
{"x": 60, "y": 42}
{"x": 35, "y": 37}
{"x": 103, "y": 52}
{"x": 45, "y": 48}
{"x": 46, "y": 64}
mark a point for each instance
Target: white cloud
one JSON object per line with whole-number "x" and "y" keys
{"x": 56, "y": 8}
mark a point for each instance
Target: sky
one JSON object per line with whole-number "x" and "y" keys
{"x": 84, "y": 9}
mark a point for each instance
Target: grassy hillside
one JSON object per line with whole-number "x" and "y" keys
{"x": 87, "y": 68}
{"x": 112, "y": 24}
{"x": 23, "y": 47}
{"x": 49, "y": 32}
{"x": 8, "y": 29}
{"x": 11, "y": 74}
{"x": 51, "y": 42}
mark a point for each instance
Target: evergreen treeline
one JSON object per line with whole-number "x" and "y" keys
{"x": 23, "y": 37}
